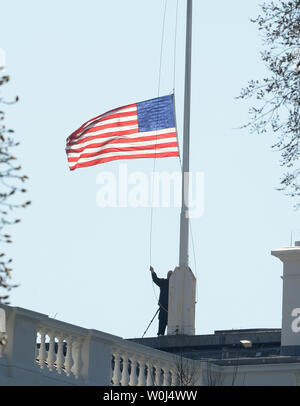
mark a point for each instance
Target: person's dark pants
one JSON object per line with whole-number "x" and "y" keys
{"x": 163, "y": 321}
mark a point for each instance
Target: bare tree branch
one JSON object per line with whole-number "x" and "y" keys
{"x": 11, "y": 186}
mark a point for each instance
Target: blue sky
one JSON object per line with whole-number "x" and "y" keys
{"x": 70, "y": 61}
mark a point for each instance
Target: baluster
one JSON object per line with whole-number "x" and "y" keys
{"x": 68, "y": 359}
{"x": 76, "y": 354}
{"x": 60, "y": 355}
{"x": 51, "y": 353}
{"x": 36, "y": 353}
{"x": 42, "y": 351}
{"x": 117, "y": 370}
{"x": 149, "y": 380}
{"x": 2, "y": 345}
{"x": 161, "y": 376}
{"x": 157, "y": 374}
{"x": 166, "y": 376}
{"x": 125, "y": 375}
{"x": 173, "y": 378}
{"x": 142, "y": 376}
{"x": 111, "y": 372}
{"x": 133, "y": 373}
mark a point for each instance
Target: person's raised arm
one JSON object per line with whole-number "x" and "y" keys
{"x": 155, "y": 279}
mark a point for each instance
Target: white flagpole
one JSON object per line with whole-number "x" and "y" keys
{"x": 184, "y": 220}
{"x": 182, "y": 284}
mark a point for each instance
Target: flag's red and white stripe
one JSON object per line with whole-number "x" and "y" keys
{"x": 115, "y": 135}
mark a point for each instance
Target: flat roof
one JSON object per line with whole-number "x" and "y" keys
{"x": 219, "y": 338}
{"x": 223, "y": 345}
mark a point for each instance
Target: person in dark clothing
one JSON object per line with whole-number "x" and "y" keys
{"x": 163, "y": 300}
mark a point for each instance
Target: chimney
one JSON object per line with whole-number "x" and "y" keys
{"x": 290, "y": 329}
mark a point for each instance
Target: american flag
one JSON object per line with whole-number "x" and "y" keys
{"x": 141, "y": 130}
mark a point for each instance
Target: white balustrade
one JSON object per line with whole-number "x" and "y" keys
{"x": 60, "y": 353}
{"x": 137, "y": 369}
{"x": 80, "y": 356}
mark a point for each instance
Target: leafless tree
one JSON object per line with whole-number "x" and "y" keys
{"x": 11, "y": 186}
{"x": 213, "y": 376}
{"x": 187, "y": 372}
{"x": 277, "y": 96}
